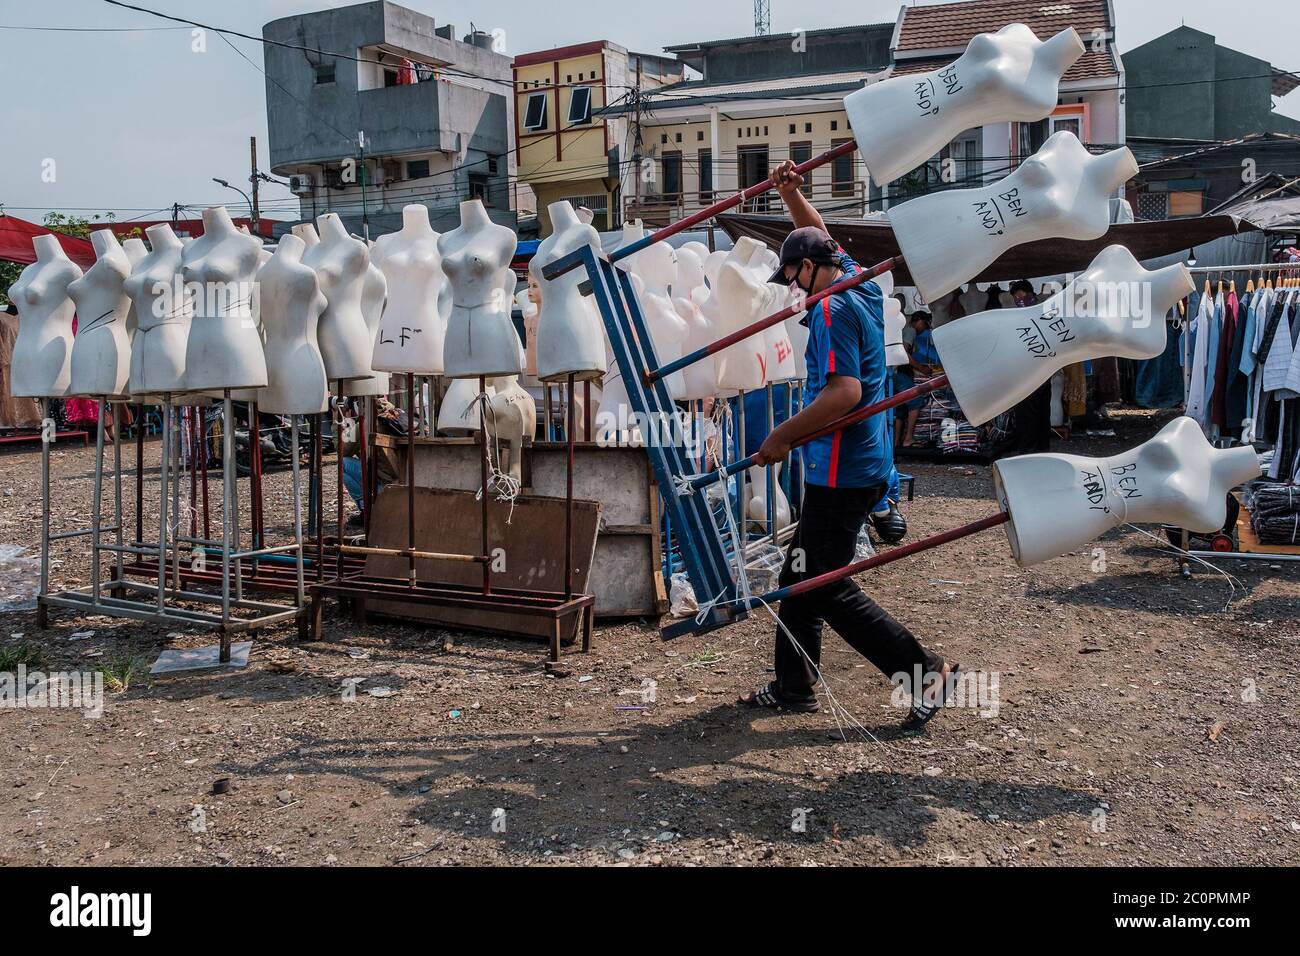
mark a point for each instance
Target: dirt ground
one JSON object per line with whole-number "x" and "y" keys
{"x": 1140, "y": 719}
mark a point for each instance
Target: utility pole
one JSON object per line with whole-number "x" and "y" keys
{"x": 636, "y": 139}
{"x": 252, "y": 178}
{"x": 360, "y": 173}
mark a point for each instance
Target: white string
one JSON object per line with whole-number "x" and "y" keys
{"x": 506, "y": 486}
{"x": 1168, "y": 547}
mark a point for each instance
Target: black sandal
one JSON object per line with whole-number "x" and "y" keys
{"x": 925, "y": 711}
{"x": 772, "y": 698}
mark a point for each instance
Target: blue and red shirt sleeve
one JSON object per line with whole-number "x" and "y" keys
{"x": 840, "y": 330}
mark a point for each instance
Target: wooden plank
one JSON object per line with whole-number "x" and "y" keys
{"x": 530, "y": 538}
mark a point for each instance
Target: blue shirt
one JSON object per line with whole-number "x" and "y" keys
{"x": 923, "y": 350}
{"x": 846, "y": 336}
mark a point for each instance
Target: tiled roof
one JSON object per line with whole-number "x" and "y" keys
{"x": 953, "y": 24}
{"x": 1093, "y": 65}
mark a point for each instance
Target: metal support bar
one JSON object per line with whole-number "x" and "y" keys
{"x": 861, "y": 414}
{"x": 574, "y": 260}
{"x": 885, "y": 557}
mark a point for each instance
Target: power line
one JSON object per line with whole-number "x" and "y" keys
{"x": 295, "y": 46}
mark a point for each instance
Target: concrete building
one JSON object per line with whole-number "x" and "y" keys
{"x": 385, "y": 108}
{"x": 1184, "y": 85}
{"x": 1201, "y": 120}
{"x": 1089, "y": 101}
{"x": 757, "y": 101}
{"x": 565, "y": 146}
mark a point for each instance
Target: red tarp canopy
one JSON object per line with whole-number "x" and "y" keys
{"x": 184, "y": 227}
{"x": 16, "y": 243}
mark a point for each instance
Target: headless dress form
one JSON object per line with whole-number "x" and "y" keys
{"x": 481, "y": 337}
{"x": 655, "y": 267}
{"x": 224, "y": 349}
{"x": 743, "y": 299}
{"x": 1061, "y": 192}
{"x": 42, "y": 359}
{"x": 374, "y": 296}
{"x": 135, "y": 250}
{"x": 341, "y": 263}
{"x": 163, "y": 314}
{"x": 292, "y": 304}
{"x": 101, "y": 352}
{"x": 1008, "y": 76}
{"x": 414, "y": 323}
{"x": 570, "y": 337}
{"x": 701, "y": 378}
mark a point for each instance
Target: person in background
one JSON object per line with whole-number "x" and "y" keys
{"x": 1032, "y": 417}
{"x": 389, "y": 420}
{"x": 924, "y": 366}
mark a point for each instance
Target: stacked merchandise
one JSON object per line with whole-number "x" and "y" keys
{"x": 942, "y": 427}
{"x": 1275, "y": 513}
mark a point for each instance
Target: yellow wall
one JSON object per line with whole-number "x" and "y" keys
{"x": 735, "y": 134}
{"x": 582, "y": 149}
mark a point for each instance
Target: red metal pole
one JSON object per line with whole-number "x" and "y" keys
{"x": 894, "y": 554}
{"x": 724, "y": 204}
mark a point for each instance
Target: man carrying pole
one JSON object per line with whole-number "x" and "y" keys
{"x": 846, "y": 473}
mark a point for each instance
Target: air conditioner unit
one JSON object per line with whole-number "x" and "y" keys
{"x": 300, "y": 184}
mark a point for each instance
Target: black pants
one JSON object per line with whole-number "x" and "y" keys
{"x": 825, "y": 540}
{"x": 1032, "y": 421}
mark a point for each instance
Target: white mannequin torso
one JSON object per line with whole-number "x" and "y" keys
{"x": 224, "y": 348}
{"x": 742, "y": 299}
{"x": 1062, "y": 191}
{"x": 701, "y": 378}
{"x": 481, "y": 338}
{"x": 1008, "y": 76}
{"x": 42, "y": 359}
{"x": 164, "y": 313}
{"x": 570, "y": 336}
{"x": 993, "y": 359}
{"x": 1059, "y": 503}
{"x": 655, "y": 267}
{"x": 414, "y": 324}
{"x": 101, "y": 352}
{"x": 292, "y": 304}
{"x": 341, "y": 263}
{"x": 374, "y": 299}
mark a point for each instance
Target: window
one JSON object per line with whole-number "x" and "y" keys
{"x": 792, "y": 129}
{"x": 535, "y": 115}
{"x": 835, "y": 124}
{"x": 672, "y": 177}
{"x": 390, "y": 77}
{"x": 478, "y": 188}
{"x": 801, "y": 153}
{"x": 699, "y": 136}
{"x": 705, "y": 163}
{"x": 842, "y": 171}
{"x": 807, "y": 127}
{"x": 663, "y": 139}
{"x": 417, "y": 169}
{"x": 580, "y": 105}
{"x": 679, "y": 137}
{"x": 324, "y": 72}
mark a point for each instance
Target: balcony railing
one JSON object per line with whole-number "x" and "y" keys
{"x": 844, "y": 199}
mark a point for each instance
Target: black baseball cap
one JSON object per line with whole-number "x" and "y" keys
{"x": 806, "y": 242}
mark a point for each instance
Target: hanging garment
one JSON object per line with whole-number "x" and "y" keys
{"x": 1236, "y": 398}
{"x": 1275, "y": 352}
{"x": 1223, "y": 351}
{"x": 1159, "y": 381}
{"x": 1200, "y": 331}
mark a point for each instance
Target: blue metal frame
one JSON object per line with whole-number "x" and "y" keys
{"x": 700, "y": 542}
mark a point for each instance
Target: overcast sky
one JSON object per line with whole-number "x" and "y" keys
{"x": 134, "y": 121}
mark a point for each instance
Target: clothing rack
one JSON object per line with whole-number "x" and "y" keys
{"x": 1231, "y": 271}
